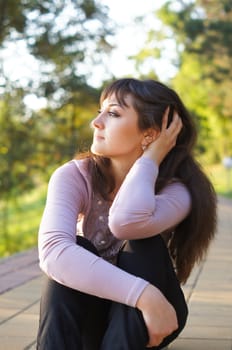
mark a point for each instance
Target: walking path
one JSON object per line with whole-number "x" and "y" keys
{"x": 208, "y": 291}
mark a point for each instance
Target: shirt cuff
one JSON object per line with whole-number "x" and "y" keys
{"x": 136, "y": 291}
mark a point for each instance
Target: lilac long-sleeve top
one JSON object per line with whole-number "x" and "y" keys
{"x": 136, "y": 212}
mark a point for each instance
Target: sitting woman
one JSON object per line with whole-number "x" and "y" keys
{"x": 124, "y": 225}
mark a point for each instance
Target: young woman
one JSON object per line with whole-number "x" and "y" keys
{"x": 124, "y": 225}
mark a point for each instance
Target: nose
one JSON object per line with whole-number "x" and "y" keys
{"x": 98, "y": 121}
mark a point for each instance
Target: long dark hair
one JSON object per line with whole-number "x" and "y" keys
{"x": 190, "y": 240}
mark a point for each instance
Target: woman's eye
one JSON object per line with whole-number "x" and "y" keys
{"x": 113, "y": 114}
{"x": 110, "y": 113}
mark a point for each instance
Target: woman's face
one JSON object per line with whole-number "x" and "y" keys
{"x": 116, "y": 133}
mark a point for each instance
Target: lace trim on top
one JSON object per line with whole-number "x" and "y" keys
{"x": 96, "y": 229}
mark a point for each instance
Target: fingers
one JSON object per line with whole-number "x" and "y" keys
{"x": 175, "y": 125}
{"x": 159, "y": 315}
{"x": 164, "y": 140}
{"x": 165, "y": 119}
{"x": 157, "y": 341}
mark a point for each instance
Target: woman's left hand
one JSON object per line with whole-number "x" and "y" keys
{"x": 165, "y": 140}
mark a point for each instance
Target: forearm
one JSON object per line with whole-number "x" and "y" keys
{"x": 138, "y": 212}
{"x": 77, "y": 268}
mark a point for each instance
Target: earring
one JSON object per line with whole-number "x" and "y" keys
{"x": 143, "y": 147}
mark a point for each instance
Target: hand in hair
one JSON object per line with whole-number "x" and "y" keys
{"x": 165, "y": 140}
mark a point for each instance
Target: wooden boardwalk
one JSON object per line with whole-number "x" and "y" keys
{"x": 208, "y": 291}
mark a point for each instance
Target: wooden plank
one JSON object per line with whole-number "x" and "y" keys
{"x": 18, "y": 269}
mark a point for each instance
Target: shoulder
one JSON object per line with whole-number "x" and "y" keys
{"x": 73, "y": 168}
{"x": 73, "y": 174}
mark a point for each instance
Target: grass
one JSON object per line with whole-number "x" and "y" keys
{"x": 23, "y": 218}
{"x": 24, "y": 213}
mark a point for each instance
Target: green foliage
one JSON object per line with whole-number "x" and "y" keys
{"x": 61, "y": 132}
{"x": 12, "y": 17}
{"x": 62, "y": 36}
{"x": 201, "y": 30}
{"x": 24, "y": 215}
{"x": 211, "y": 48}
{"x": 16, "y": 149}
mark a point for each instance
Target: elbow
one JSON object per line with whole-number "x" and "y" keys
{"x": 44, "y": 263}
{"x": 122, "y": 229}
{"x": 47, "y": 258}
{"x": 43, "y": 266}
{"x": 118, "y": 230}
{"x": 120, "y": 223}
{"x": 120, "y": 234}
{"x": 50, "y": 248}
{"x": 49, "y": 266}
{"x": 125, "y": 226}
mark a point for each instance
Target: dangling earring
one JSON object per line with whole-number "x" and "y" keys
{"x": 143, "y": 147}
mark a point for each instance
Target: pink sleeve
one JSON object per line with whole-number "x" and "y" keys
{"x": 66, "y": 262}
{"x": 138, "y": 213}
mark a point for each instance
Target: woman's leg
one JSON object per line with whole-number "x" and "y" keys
{"x": 149, "y": 259}
{"x": 70, "y": 319}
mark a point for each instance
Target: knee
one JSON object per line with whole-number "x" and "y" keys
{"x": 146, "y": 258}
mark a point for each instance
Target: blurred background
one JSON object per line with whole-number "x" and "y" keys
{"x": 55, "y": 57}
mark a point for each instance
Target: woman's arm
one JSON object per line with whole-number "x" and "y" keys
{"x": 69, "y": 264}
{"x": 136, "y": 211}
{"x": 66, "y": 262}
{"x": 139, "y": 213}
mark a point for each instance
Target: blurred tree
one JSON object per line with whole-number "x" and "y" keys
{"x": 201, "y": 30}
{"x": 63, "y": 36}
{"x": 64, "y": 131}
{"x": 66, "y": 39}
{"x": 16, "y": 155}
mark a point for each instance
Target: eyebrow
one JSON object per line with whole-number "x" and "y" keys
{"x": 114, "y": 104}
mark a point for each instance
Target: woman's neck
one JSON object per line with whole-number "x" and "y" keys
{"x": 119, "y": 171}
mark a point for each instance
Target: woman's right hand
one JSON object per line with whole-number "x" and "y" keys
{"x": 159, "y": 315}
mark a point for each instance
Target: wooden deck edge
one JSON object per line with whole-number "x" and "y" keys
{"x": 18, "y": 269}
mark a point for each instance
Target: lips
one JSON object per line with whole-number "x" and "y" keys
{"x": 98, "y": 137}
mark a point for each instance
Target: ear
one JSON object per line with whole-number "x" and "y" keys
{"x": 149, "y": 136}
